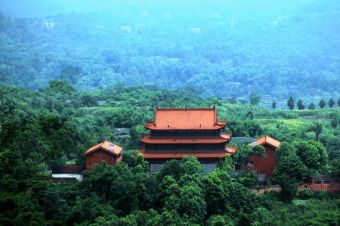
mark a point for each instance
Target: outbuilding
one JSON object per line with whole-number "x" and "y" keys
{"x": 264, "y": 165}
{"x": 105, "y": 151}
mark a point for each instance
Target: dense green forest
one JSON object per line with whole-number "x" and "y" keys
{"x": 222, "y": 49}
{"x": 56, "y": 124}
{"x": 73, "y": 73}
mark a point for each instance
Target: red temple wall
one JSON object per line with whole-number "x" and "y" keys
{"x": 264, "y": 165}
{"x": 320, "y": 187}
{"x": 97, "y": 157}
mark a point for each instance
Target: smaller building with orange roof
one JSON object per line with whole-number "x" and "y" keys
{"x": 264, "y": 165}
{"x": 105, "y": 151}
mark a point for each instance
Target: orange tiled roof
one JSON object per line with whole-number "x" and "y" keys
{"x": 105, "y": 146}
{"x": 266, "y": 140}
{"x": 231, "y": 149}
{"x": 185, "y": 118}
{"x": 180, "y": 140}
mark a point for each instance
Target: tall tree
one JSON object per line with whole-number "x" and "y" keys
{"x": 190, "y": 166}
{"x": 250, "y": 115}
{"x": 217, "y": 220}
{"x": 274, "y": 105}
{"x": 242, "y": 154}
{"x": 192, "y": 203}
{"x": 254, "y": 98}
{"x": 335, "y": 168}
{"x": 217, "y": 186}
{"x": 311, "y": 106}
{"x": 339, "y": 102}
{"x": 232, "y": 100}
{"x": 259, "y": 150}
{"x": 71, "y": 74}
{"x": 322, "y": 103}
{"x": 286, "y": 148}
{"x": 288, "y": 172}
{"x": 335, "y": 120}
{"x": 290, "y": 164}
{"x": 247, "y": 178}
{"x": 291, "y": 103}
{"x": 331, "y": 103}
{"x": 317, "y": 129}
{"x": 312, "y": 154}
{"x": 300, "y": 105}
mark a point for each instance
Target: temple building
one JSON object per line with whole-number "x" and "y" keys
{"x": 105, "y": 151}
{"x": 264, "y": 165}
{"x": 176, "y": 133}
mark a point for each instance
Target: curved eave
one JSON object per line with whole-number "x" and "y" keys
{"x": 104, "y": 147}
{"x": 229, "y": 150}
{"x": 170, "y": 155}
{"x": 92, "y": 149}
{"x": 153, "y": 127}
{"x": 116, "y": 153}
{"x": 219, "y": 140}
{"x": 266, "y": 140}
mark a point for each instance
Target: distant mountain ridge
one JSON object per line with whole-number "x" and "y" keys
{"x": 220, "y": 50}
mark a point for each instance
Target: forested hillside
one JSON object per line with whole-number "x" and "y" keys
{"x": 74, "y": 73}
{"x": 221, "y": 49}
{"x": 56, "y": 124}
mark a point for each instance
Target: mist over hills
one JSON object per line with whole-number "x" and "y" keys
{"x": 84, "y": 153}
{"x": 220, "y": 48}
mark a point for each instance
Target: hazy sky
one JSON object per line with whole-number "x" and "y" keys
{"x": 37, "y": 8}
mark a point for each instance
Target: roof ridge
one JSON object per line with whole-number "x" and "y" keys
{"x": 183, "y": 109}
{"x": 268, "y": 140}
{"x": 102, "y": 146}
